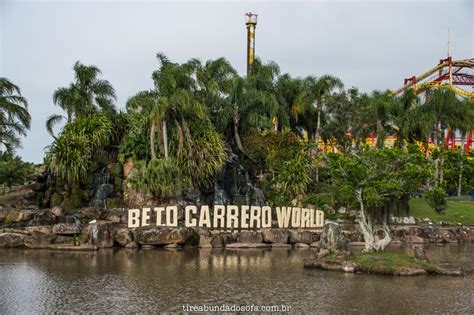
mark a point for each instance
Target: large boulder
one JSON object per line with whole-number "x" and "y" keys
{"x": 20, "y": 216}
{"x": 43, "y": 217}
{"x": 57, "y": 211}
{"x": 117, "y": 215}
{"x": 250, "y": 237}
{"x": 66, "y": 229}
{"x": 205, "y": 241}
{"x": 100, "y": 234}
{"x": 12, "y": 240}
{"x": 153, "y": 235}
{"x": 21, "y": 197}
{"x": 332, "y": 238}
{"x": 40, "y": 240}
{"x": 64, "y": 240}
{"x": 305, "y": 237}
{"x": 219, "y": 240}
{"x": 247, "y": 245}
{"x": 92, "y": 213}
{"x": 275, "y": 236}
{"x": 123, "y": 236}
{"x": 44, "y": 229}
{"x": 136, "y": 199}
{"x": 3, "y": 214}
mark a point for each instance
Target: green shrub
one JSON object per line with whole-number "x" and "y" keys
{"x": 13, "y": 171}
{"x": 292, "y": 177}
{"x": 318, "y": 199}
{"x": 436, "y": 198}
{"x": 70, "y": 156}
{"x": 202, "y": 157}
{"x": 160, "y": 177}
{"x": 56, "y": 199}
{"x": 113, "y": 203}
{"x": 271, "y": 149}
{"x": 136, "y": 142}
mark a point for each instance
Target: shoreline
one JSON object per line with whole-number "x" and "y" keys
{"x": 107, "y": 234}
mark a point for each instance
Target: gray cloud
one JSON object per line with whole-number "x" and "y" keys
{"x": 371, "y": 44}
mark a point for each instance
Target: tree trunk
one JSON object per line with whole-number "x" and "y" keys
{"x": 180, "y": 139}
{"x": 165, "y": 139}
{"x": 461, "y": 164}
{"x": 441, "y": 167}
{"x": 436, "y": 161}
{"x": 238, "y": 142}
{"x": 152, "y": 140}
{"x": 379, "y": 143}
{"x": 318, "y": 124}
{"x": 316, "y": 141}
{"x": 366, "y": 225}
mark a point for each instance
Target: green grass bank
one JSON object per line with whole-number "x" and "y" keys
{"x": 460, "y": 210}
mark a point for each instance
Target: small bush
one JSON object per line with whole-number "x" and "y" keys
{"x": 436, "y": 198}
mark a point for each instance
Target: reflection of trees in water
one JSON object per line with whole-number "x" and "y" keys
{"x": 147, "y": 281}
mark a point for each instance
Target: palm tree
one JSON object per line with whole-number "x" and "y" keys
{"x": 464, "y": 121}
{"x": 172, "y": 101}
{"x": 288, "y": 92}
{"x": 401, "y": 111}
{"x": 14, "y": 117}
{"x": 86, "y": 95}
{"x": 379, "y": 115}
{"x": 214, "y": 80}
{"x": 316, "y": 89}
{"x": 441, "y": 112}
{"x": 252, "y": 103}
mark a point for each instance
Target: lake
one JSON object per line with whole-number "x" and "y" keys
{"x": 124, "y": 281}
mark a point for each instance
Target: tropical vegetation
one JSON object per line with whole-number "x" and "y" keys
{"x": 298, "y": 139}
{"x": 15, "y": 119}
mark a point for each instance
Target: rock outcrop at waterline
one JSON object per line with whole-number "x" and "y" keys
{"x": 58, "y": 228}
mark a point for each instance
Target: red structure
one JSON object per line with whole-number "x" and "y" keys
{"x": 457, "y": 75}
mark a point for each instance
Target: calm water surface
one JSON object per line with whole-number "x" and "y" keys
{"x": 123, "y": 281}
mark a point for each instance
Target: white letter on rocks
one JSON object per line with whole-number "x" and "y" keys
{"x": 232, "y": 217}
{"x": 244, "y": 216}
{"x": 305, "y": 217}
{"x": 283, "y": 216}
{"x": 173, "y": 216}
{"x": 133, "y": 218}
{"x": 219, "y": 216}
{"x": 296, "y": 217}
{"x": 145, "y": 216}
{"x": 266, "y": 217}
{"x": 255, "y": 215}
{"x": 188, "y": 216}
{"x": 319, "y": 218}
{"x": 159, "y": 211}
{"x": 204, "y": 217}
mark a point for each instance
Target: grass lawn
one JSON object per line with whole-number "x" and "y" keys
{"x": 460, "y": 210}
{"x": 385, "y": 262}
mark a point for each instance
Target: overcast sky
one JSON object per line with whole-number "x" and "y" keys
{"x": 368, "y": 44}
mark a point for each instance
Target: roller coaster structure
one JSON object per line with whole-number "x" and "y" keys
{"x": 457, "y": 75}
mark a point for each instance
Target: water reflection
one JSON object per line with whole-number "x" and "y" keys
{"x": 126, "y": 281}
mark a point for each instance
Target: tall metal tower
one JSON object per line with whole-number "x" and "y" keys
{"x": 251, "y": 22}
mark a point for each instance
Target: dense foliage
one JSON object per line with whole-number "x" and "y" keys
{"x": 302, "y": 140}
{"x": 13, "y": 171}
{"x": 14, "y": 117}
{"x": 71, "y": 154}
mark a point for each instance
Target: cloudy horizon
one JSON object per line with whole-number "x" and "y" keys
{"x": 367, "y": 44}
